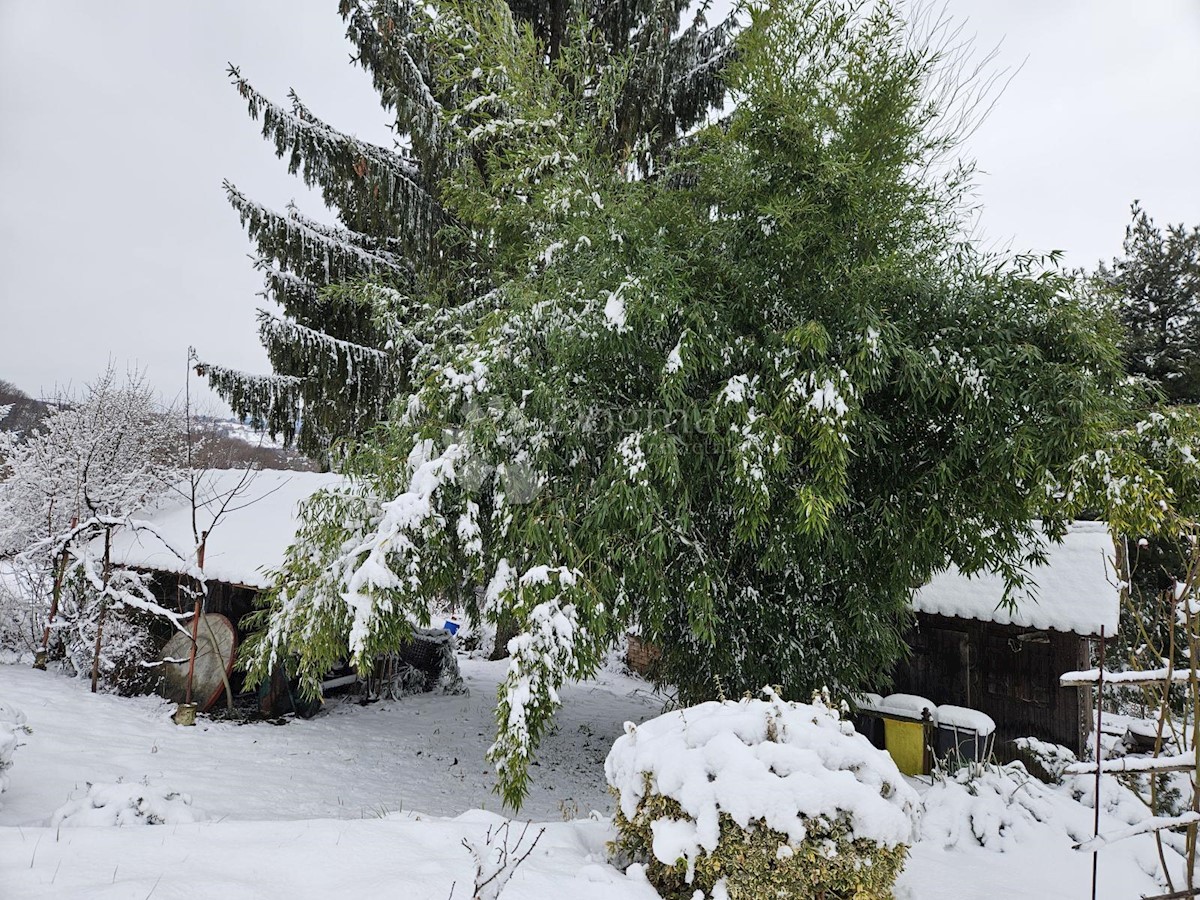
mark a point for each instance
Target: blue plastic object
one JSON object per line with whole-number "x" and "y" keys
{"x": 451, "y": 627}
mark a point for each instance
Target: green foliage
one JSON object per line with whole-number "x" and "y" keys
{"x": 335, "y": 371}
{"x": 1157, "y": 289}
{"x": 1146, "y": 482}
{"x": 747, "y": 406}
{"x": 758, "y": 862}
{"x": 1145, "y": 479}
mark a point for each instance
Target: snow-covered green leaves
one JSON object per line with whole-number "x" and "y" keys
{"x": 753, "y": 401}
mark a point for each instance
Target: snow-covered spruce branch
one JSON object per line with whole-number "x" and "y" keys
{"x": 275, "y": 401}
{"x": 391, "y": 52}
{"x": 308, "y": 139}
{"x": 352, "y": 360}
{"x": 321, "y": 251}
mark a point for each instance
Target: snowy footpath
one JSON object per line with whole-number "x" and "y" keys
{"x": 378, "y": 800}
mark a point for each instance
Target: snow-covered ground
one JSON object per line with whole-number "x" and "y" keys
{"x": 376, "y": 801}
{"x": 424, "y": 753}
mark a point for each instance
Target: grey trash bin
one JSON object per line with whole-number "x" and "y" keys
{"x": 963, "y": 733}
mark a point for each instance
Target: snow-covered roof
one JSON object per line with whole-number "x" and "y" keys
{"x": 258, "y": 525}
{"x": 1074, "y": 591}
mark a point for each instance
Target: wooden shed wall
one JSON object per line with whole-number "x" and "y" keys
{"x": 230, "y": 600}
{"x": 990, "y": 668}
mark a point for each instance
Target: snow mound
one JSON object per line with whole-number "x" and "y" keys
{"x": 997, "y": 808}
{"x": 126, "y": 804}
{"x": 784, "y": 764}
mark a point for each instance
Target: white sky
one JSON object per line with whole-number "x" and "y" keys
{"x": 117, "y": 125}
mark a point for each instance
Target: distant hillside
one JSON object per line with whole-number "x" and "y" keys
{"x": 23, "y": 412}
{"x": 228, "y": 444}
{"x": 220, "y": 444}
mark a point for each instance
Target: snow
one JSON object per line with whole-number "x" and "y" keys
{"x": 966, "y": 719}
{"x": 907, "y": 705}
{"x": 376, "y": 801}
{"x": 1154, "y": 823}
{"x": 1184, "y": 761}
{"x": 1074, "y": 592}
{"x": 720, "y": 757}
{"x": 994, "y": 832}
{"x": 123, "y": 804}
{"x": 425, "y": 752}
{"x": 910, "y": 706}
{"x": 256, "y": 529}
{"x": 737, "y": 388}
{"x": 1132, "y": 676}
{"x": 12, "y": 727}
{"x": 674, "y": 359}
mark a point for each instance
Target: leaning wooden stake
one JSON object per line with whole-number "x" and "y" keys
{"x": 196, "y": 618}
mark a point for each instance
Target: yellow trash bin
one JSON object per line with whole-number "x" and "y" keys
{"x": 905, "y": 742}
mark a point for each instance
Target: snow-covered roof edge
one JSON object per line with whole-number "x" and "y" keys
{"x": 1075, "y": 591}
{"x": 258, "y": 525}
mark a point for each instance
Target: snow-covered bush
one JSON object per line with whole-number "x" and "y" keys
{"x": 128, "y": 643}
{"x": 1045, "y": 761}
{"x": 22, "y": 605}
{"x": 760, "y": 798}
{"x": 12, "y": 725}
{"x": 126, "y": 804}
{"x": 996, "y": 807}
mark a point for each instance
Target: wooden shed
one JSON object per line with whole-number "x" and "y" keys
{"x": 250, "y": 518}
{"x": 969, "y": 649}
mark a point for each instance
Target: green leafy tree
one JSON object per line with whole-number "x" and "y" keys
{"x": 1157, "y": 288}
{"x": 746, "y": 407}
{"x": 338, "y": 358}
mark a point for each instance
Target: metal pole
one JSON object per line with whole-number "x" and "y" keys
{"x": 1096, "y": 798}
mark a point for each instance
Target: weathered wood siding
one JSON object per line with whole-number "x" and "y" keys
{"x": 230, "y": 600}
{"x": 991, "y": 668}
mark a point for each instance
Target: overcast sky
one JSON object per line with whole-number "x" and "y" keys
{"x": 118, "y": 124}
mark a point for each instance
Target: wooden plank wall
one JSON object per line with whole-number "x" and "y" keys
{"x": 230, "y": 600}
{"x": 990, "y": 668}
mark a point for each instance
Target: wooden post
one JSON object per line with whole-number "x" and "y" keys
{"x": 197, "y": 610}
{"x": 103, "y": 607}
{"x": 60, "y": 572}
{"x": 927, "y": 737}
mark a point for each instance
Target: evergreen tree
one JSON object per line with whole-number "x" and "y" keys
{"x": 746, "y": 407}
{"x": 1157, "y": 286}
{"x": 335, "y": 358}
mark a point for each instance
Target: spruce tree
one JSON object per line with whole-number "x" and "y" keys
{"x": 337, "y": 359}
{"x": 1157, "y": 289}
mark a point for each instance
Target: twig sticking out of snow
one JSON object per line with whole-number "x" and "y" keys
{"x": 496, "y": 861}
